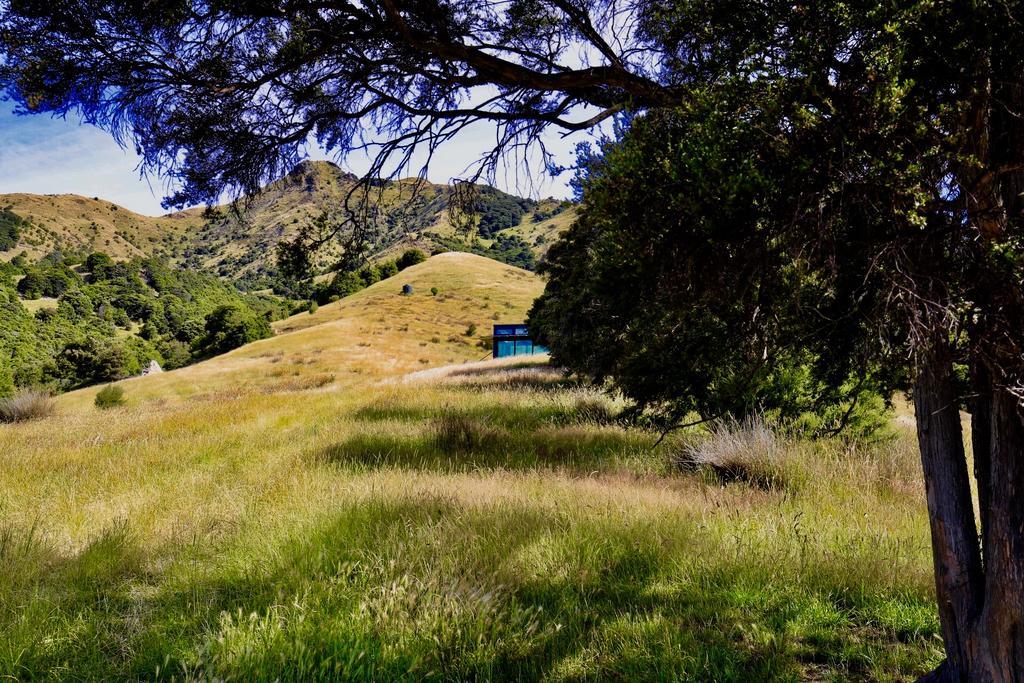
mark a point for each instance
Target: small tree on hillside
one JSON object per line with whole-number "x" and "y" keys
{"x": 410, "y": 257}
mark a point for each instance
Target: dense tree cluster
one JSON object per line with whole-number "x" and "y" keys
{"x": 109, "y": 319}
{"x": 498, "y": 211}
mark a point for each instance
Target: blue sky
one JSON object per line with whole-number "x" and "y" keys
{"x": 56, "y": 156}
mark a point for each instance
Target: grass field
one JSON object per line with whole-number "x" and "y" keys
{"x": 346, "y": 500}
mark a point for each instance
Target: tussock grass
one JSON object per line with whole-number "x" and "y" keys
{"x": 27, "y": 404}
{"x": 748, "y": 451}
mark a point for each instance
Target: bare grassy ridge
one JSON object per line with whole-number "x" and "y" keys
{"x": 488, "y": 521}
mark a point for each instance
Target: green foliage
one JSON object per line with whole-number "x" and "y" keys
{"x": 11, "y": 225}
{"x": 110, "y": 396}
{"x": 6, "y": 381}
{"x": 112, "y": 325}
{"x": 498, "y": 211}
{"x": 544, "y": 214}
{"x": 410, "y": 257}
{"x": 670, "y": 286}
{"x": 341, "y": 285}
{"x": 97, "y": 262}
{"x": 231, "y": 326}
{"x": 470, "y": 330}
{"x": 510, "y": 249}
{"x": 369, "y": 275}
{"x": 31, "y": 285}
{"x": 94, "y": 360}
{"x": 387, "y": 269}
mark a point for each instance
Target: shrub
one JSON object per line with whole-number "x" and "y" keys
{"x": 110, "y": 396}
{"x": 31, "y": 286}
{"x": 231, "y": 326}
{"x": 470, "y": 329}
{"x": 369, "y": 275}
{"x": 97, "y": 261}
{"x": 27, "y": 404}
{"x": 93, "y": 361}
{"x": 433, "y": 291}
{"x": 313, "y": 306}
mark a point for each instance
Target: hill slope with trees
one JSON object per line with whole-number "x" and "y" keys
{"x": 64, "y": 324}
{"x": 238, "y": 242}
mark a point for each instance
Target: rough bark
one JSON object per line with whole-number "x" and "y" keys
{"x": 957, "y": 558}
{"x": 1000, "y": 628}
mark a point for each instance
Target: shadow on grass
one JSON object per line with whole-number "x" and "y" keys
{"x": 428, "y": 589}
{"x": 578, "y": 410}
{"x": 463, "y": 444}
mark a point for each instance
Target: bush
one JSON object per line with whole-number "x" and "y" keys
{"x": 313, "y": 307}
{"x": 369, "y": 275}
{"x": 97, "y": 261}
{"x": 231, "y": 326}
{"x": 110, "y": 396}
{"x": 93, "y": 361}
{"x": 470, "y": 330}
{"x": 434, "y": 291}
{"x": 27, "y": 404}
{"x": 31, "y": 286}
{"x": 410, "y": 257}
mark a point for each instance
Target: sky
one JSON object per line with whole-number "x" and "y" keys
{"x": 44, "y": 155}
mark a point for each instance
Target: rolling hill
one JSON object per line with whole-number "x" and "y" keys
{"x": 238, "y": 241}
{"x": 373, "y": 333}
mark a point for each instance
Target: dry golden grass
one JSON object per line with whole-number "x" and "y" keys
{"x": 88, "y": 224}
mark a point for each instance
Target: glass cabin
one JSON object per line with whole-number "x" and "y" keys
{"x": 514, "y": 340}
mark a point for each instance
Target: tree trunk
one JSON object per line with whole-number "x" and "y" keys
{"x": 957, "y": 557}
{"x": 1000, "y": 627}
{"x": 980, "y": 588}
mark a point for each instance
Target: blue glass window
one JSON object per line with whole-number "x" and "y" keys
{"x": 514, "y": 340}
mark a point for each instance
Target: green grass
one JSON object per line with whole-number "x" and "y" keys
{"x": 551, "y": 547}
{"x": 488, "y": 522}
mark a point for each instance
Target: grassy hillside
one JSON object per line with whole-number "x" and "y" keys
{"x": 374, "y": 333}
{"x": 238, "y": 242}
{"x": 70, "y": 223}
{"x": 338, "y": 502}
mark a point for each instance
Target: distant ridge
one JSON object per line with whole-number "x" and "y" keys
{"x": 239, "y": 242}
